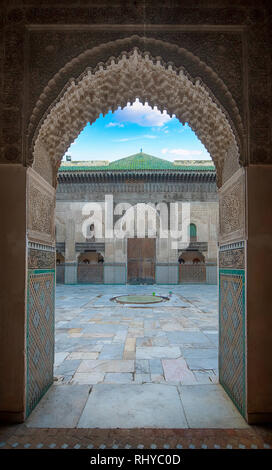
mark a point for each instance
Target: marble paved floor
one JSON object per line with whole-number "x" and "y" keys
{"x": 136, "y": 366}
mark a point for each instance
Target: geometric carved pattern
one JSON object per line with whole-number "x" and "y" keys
{"x": 233, "y": 258}
{"x": 232, "y": 335}
{"x": 40, "y": 334}
{"x": 41, "y": 209}
{"x": 39, "y": 259}
{"x": 122, "y": 79}
{"x": 232, "y": 208}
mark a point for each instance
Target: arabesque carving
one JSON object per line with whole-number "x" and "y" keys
{"x": 232, "y": 208}
{"x": 137, "y": 75}
{"x": 41, "y": 209}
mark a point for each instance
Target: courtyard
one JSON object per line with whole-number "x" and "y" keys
{"x": 136, "y": 366}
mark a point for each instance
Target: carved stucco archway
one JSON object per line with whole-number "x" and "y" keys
{"x": 123, "y": 78}
{"x": 118, "y": 80}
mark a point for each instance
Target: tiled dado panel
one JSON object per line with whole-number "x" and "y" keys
{"x": 232, "y": 364}
{"x": 41, "y": 287}
{"x": 40, "y": 334}
{"x": 40, "y": 322}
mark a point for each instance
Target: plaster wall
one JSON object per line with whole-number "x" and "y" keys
{"x": 70, "y": 218}
{"x": 259, "y": 293}
{"x": 13, "y": 185}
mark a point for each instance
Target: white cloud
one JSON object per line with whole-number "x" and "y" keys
{"x": 185, "y": 153}
{"x": 137, "y": 137}
{"x": 114, "y": 124}
{"x": 125, "y": 139}
{"x": 142, "y": 114}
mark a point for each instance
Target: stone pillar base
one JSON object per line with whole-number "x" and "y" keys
{"x": 70, "y": 273}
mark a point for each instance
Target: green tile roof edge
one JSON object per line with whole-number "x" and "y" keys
{"x": 105, "y": 169}
{"x": 137, "y": 162}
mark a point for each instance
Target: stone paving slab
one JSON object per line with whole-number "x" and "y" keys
{"x": 67, "y": 367}
{"x": 61, "y": 407}
{"x": 208, "y": 406}
{"x": 188, "y": 337}
{"x": 205, "y": 376}
{"x": 123, "y": 406}
{"x": 142, "y": 378}
{"x": 158, "y": 352}
{"x": 89, "y": 378}
{"x": 60, "y": 357}
{"x": 106, "y": 366}
{"x": 117, "y": 377}
{"x": 156, "y": 366}
{"x": 201, "y": 359}
{"x": 176, "y": 370}
{"x": 142, "y": 366}
{"x": 83, "y": 355}
{"x": 112, "y": 351}
{"x": 169, "y": 345}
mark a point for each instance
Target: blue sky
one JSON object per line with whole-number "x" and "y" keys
{"x": 137, "y": 126}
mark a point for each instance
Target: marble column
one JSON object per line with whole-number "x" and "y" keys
{"x": 70, "y": 274}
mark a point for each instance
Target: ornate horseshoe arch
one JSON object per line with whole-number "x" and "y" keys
{"x": 123, "y": 78}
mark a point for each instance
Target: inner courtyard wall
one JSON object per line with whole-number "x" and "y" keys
{"x": 203, "y": 214}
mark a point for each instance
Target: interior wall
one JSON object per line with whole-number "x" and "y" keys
{"x": 259, "y": 293}
{"x": 13, "y": 292}
{"x": 232, "y": 289}
{"x": 40, "y": 279}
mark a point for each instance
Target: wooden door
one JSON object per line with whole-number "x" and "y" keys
{"x": 141, "y": 258}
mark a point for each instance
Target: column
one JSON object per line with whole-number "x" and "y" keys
{"x": 13, "y": 292}
{"x": 259, "y": 293}
{"x": 70, "y": 274}
{"x": 245, "y": 294}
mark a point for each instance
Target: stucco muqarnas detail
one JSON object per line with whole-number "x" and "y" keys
{"x": 125, "y": 78}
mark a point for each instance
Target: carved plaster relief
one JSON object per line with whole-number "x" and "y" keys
{"x": 41, "y": 209}
{"x": 42, "y": 164}
{"x": 124, "y": 78}
{"x": 232, "y": 256}
{"x": 232, "y": 224}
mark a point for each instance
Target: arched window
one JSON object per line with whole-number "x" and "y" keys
{"x": 91, "y": 232}
{"x": 192, "y": 232}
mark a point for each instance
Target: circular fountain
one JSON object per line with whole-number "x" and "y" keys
{"x": 139, "y": 299}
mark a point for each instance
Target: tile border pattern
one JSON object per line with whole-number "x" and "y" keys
{"x": 34, "y": 438}
{"x": 40, "y": 334}
{"x": 232, "y": 367}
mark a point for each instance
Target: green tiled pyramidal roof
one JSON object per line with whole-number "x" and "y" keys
{"x": 139, "y": 161}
